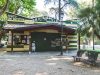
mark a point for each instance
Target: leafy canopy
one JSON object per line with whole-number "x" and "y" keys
{"x": 18, "y": 6}
{"x": 90, "y": 20}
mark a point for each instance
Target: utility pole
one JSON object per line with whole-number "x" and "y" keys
{"x": 61, "y": 27}
{"x": 59, "y": 10}
{"x": 93, "y": 23}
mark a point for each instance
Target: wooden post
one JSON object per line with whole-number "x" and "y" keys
{"x": 12, "y": 41}
{"x": 78, "y": 40}
{"x": 30, "y": 44}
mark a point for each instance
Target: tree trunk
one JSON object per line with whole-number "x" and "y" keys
{"x": 4, "y": 7}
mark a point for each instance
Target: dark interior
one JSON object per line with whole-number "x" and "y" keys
{"x": 46, "y": 41}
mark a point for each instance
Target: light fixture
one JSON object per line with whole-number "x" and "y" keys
{"x": 62, "y": 15}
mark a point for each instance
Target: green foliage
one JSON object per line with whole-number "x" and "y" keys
{"x": 90, "y": 18}
{"x": 88, "y": 11}
{"x": 97, "y": 42}
{"x": 3, "y": 17}
{"x": 2, "y": 2}
{"x": 2, "y": 33}
{"x": 18, "y": 6}
{"x": 21, "y": 5}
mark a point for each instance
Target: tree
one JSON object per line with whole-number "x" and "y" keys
{"x": 2, "y": 32}
{"x": 60, "y": 5}
{"x": 22, "y": 7}
{"x": 17, "y": 6}
{"x": 54, "y": 11}
{"x": 3, "y": 6}
{"x": 36, "y": 13}
{"x": 90, "y": 19}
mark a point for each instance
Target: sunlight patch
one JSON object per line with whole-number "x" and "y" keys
{"x": 51, "y": 63}
{"x": 19, "y": 73}
{"x": 41, "y": 73}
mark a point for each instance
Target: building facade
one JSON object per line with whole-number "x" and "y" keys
{"x": 35, "y": 36}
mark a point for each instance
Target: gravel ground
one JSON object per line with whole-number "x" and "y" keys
{"x": 44, "y": 63}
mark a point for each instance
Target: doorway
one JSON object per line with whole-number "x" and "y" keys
{"x": 46, "y": 41}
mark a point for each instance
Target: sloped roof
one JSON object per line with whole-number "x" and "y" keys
{"x": 18, "y": 16}
{"x": 22, "y": 27}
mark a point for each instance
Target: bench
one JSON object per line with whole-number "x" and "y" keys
{"x": 78, "y": 56}
{"x": 91, "y": 57}
{"x": 77, "y": 59}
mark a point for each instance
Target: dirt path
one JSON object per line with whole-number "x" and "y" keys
{"x": 47, "y": 63}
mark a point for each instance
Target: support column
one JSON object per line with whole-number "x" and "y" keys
{"x": 30, "y": 44}
{"x": 78, "y": 40}
{"x": 12, "y": 41}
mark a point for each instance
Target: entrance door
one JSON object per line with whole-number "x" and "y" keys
{"x": 40, "y": 41}
{"x": 44, "y": 41}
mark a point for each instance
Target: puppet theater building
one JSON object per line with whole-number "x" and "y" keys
{"x": 22, "y": 35}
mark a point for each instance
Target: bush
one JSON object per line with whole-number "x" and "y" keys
{"x": 97, "y": 42}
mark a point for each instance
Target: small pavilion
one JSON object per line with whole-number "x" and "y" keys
{"x": 46, "y": 35}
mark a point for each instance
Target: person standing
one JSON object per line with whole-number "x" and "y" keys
{"x": 33, "y": 46}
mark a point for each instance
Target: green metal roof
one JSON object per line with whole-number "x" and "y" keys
{"x": 71, "y": 22}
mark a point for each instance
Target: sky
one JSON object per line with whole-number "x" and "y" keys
{"x": 40, "y": 5}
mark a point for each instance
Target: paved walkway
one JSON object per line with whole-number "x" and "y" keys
{"x": 44, "y": 63}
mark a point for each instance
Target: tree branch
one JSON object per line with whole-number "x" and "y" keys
{"x": 64, "y": 5}
{"x": 4, "y": 7}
